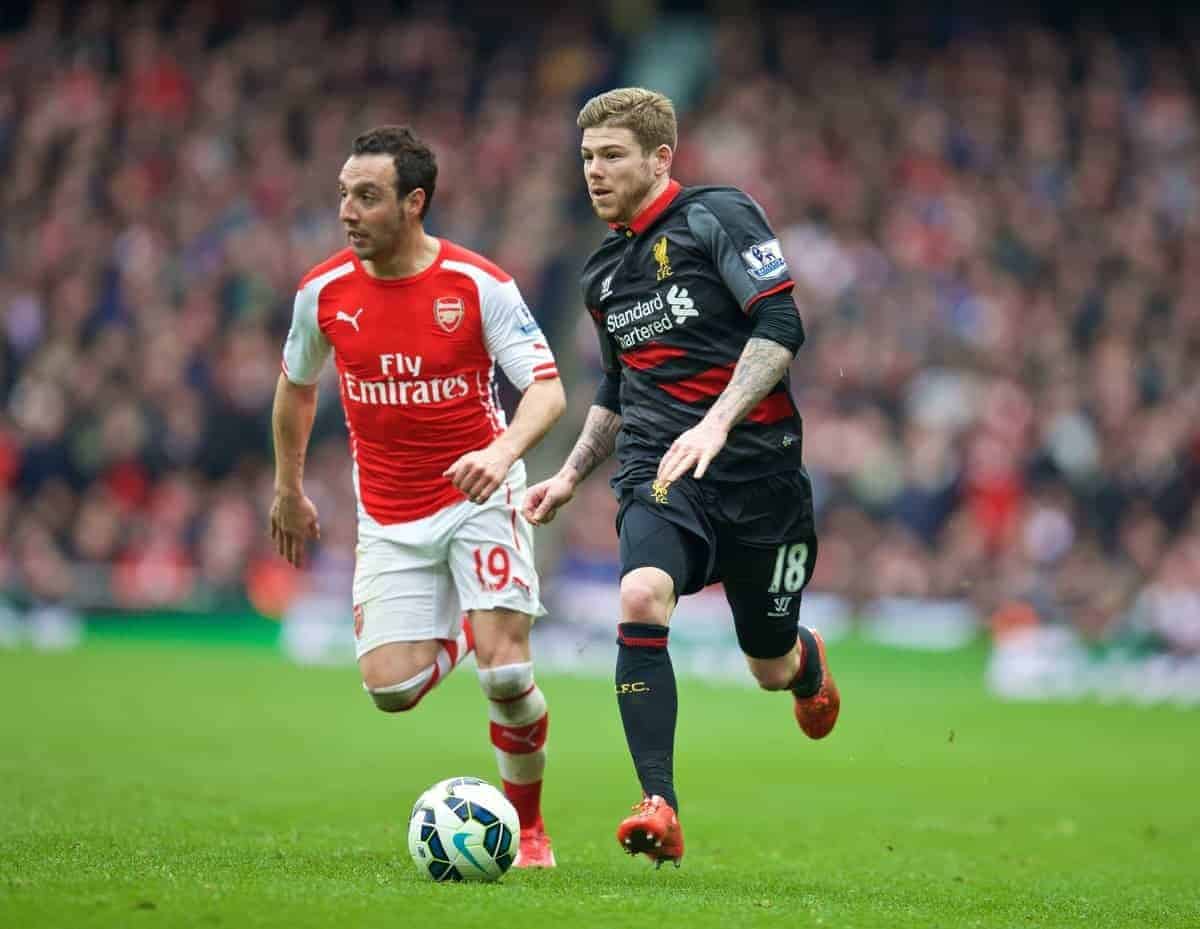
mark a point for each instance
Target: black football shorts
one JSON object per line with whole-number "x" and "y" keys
{"x": 756, "y": 537}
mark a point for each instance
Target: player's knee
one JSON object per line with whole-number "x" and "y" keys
{"x": 395, "y": 703}
{"x": 506, "y": 682}
{"x": 376, "y": 677}
{"x": 514, "y": 698}
{"x": 644, "y": 600}
{"x": 398, "y": 697}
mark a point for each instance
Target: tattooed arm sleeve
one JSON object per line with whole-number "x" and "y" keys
{"x": 762, "y": 365}
{"x": 595, "y": 443}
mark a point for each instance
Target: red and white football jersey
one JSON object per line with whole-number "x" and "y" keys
{"x": 416, "y": 363}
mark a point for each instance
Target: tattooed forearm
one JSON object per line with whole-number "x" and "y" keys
{"x": 762, "y": 365}
{"x": 596, "y": 442}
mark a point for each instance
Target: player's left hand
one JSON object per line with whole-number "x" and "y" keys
{"x": 477, "y": 474}
{"x": 696, "y": 448}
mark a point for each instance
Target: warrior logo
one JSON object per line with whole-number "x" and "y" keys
{"x": 781, "y": 606}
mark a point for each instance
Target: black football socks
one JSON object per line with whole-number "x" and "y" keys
{"x": 808, "y": 678}
{"x": 649, "y": 705}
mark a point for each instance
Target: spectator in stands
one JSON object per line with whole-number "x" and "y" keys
{"x": 998, "y": 236}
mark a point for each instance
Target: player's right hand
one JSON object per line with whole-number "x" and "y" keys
{"x": 293, "y": 523}
{"x": 543, "y": 500}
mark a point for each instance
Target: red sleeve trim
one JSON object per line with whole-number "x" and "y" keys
{"x": 546, "y": 376}
{"x": 778, "y": 288}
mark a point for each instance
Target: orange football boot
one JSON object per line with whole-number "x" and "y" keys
{"x": 653, "y": 829}
{"x": 818, "y": 714}
{"x": 535, "y": 848}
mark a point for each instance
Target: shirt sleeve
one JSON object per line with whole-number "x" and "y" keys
{"x": 776, "y": 318}
{"x": 306, "y": 348}
{"x": 734, "y": 231}
{"x": 514, "y": 338}
{"x": 608, "y": 391}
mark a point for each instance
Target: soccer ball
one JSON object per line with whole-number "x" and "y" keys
{"x": 463, "y": 829}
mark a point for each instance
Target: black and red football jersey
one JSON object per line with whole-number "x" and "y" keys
{"x": 673, "y": 297}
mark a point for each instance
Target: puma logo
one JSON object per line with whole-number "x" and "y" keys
{"x": 347, "y": 318}
{"x": 529, "y": 738}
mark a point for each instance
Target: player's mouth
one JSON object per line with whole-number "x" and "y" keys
{"x": 599, "y": 193}
{"x": 356, "y": 238}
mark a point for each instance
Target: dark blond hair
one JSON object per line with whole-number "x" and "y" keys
{"x": 649, "y": 115}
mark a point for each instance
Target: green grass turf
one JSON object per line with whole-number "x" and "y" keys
{"x": 152, "y": 785}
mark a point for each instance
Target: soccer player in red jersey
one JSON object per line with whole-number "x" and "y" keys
{"x": 416, "y": 325}
{"x": 692, "y": 301}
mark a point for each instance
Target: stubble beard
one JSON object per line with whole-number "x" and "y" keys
{"x": 377, "y": 246}
{"x": 626, "y": 208}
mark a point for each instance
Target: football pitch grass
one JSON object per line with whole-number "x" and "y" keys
{"x": 153, "y": 785}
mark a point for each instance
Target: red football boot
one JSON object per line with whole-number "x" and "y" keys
{"x": 653, "y": 829}
{"x": 535, "y": 848}
{"x": 818, "y": 714}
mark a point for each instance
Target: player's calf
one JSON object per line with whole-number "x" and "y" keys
{"x": 776, "y": 673}
{"x": 519, "y": 723}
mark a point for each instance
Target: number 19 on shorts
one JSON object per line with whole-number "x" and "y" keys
{"x": 791, "y": 569}
{"x": 495, "y": 570}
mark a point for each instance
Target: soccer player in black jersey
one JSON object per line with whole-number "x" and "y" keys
{"x": 692, "y": 302}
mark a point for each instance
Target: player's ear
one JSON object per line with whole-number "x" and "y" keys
{"x": 413, "y": 203}
{"x": 663, "y": 157}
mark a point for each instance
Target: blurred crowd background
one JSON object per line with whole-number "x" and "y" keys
{"x": 995, "y": 230}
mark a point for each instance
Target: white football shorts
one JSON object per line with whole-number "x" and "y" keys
{"x": 414, "y": 580}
